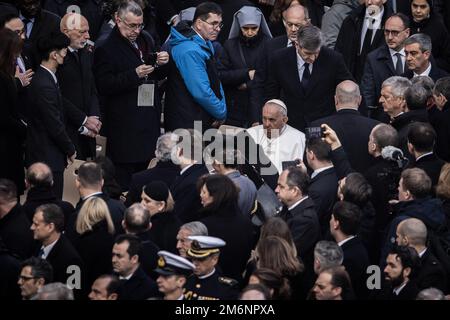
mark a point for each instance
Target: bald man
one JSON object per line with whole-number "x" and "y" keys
{"x": 280, "y": 141}
{"x": 352, "y": 128}
{"x": 39, "y": 182}
{"x": 412, "y": 232}
{"x": 78, "y": 87}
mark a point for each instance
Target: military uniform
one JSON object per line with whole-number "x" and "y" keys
{"x": 214, "y": 287}
{"x": 211, "y": 286}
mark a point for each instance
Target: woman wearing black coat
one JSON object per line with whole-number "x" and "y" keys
{"x": 242, "y": 57}
{"x": 95, "y": 238}
{"x": 426, "y": 21}
{"x": 12, "y": 129}
{"x": 221, "y": 215}
{"x": 158, "y": 200}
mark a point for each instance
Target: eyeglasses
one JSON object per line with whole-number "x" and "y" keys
{"x": 26, "y": 278}
{"x": 215, "y": 25}
{"x": 133, "y": 26}
{"x": 394, "y": 33}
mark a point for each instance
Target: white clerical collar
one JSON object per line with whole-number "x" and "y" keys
{"x": 393, "y": 52}
{"x": 341, "y": 243}
{"x": 51, "y": 72}
{"x": 424, "y": 155}
{"x": 317, "y": 171}
{"x": 297, "y": 203}
{"x": 425, "y": 73}
{"x": 207, "y": 275}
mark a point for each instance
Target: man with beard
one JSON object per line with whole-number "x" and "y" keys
{"x": 402, "y": 262}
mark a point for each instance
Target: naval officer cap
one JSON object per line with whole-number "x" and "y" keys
{"x": 170, "y": 264}
{"x": 204, "y": 246}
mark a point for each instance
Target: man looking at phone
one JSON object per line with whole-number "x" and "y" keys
{"x": 280, "y": 142}
{"x": 127, "y": 80}
{"x": 352, "y": 128}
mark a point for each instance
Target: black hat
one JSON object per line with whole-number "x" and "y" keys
{"x": 157, "y": 190}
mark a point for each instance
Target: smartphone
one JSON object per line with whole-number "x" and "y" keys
{"x": 314, "y": 132}
{"x": 151, "y": 59}
{"x": 287, "y": 164}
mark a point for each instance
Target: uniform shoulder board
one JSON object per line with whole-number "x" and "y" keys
{"x": 228, "y": 281}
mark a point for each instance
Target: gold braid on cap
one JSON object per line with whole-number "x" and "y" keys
{"x": 202, "y": 253}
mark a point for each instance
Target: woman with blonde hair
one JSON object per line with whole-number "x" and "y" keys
{"x": 443, "y": 191}
{"x": 95, "y": 238}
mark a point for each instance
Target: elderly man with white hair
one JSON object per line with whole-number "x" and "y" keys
{"x": 280, "y": 141}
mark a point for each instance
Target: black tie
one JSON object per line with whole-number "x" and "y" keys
{"x": 368, "y": 39}
{"x": 306, "y": 76}
{"x": 399, "y": 64}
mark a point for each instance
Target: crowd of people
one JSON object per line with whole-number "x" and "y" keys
{"x": 256, "y": 150}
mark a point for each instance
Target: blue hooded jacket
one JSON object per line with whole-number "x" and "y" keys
{"x": 190, "y": 55}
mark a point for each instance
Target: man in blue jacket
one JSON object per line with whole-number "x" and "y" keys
{"x": 194, "y": 91}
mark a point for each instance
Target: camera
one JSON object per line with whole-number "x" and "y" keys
{"x": 314, "y": 133}
{"x": 151, "y": 58}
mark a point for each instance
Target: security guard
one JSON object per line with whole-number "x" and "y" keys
{"x": 207, "y": 283}
{"x": 173, "y": 271}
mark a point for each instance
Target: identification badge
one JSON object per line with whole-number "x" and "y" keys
{"x": 146, "y": 95}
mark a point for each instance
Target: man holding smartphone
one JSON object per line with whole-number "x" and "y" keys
{"x": 130, "y": 90}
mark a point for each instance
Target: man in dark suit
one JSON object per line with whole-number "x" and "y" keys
{"x": 164, "y": 170}
{"x": 39, "y": 181}
{"x": 299, "y": 212}
{"x": 78, "y": 87}
{"x": 344, "y": 225}
{"x": 47, "y": 138}
{"x": 89, "y": 183}
{"x": 14, "y": 225}
{"x": 351, "y": 127}
{"x": 38, "y": 23}
{"x": 136, "y": 221}
{"x": 384, "y": 62}
{"x": 418, "y": 58}
{"x": 360, "y": 33}
{"x": 126, "y": 74}
{"x": 412, "y": 232}
{"x": 401, "y": 264}
{"x": 294, "y": 18}
{"x": 188, "y": 155}
{"x": 48, "y": 224}
{"x": 324, "y": 182}
{"x": 34, "y": 274}
{"x": 305, "y": 77}
{"x": 136, "y": 285}
{"x": 421, "y": 140}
